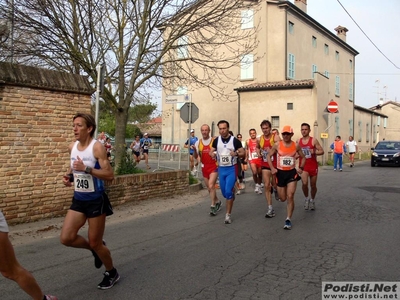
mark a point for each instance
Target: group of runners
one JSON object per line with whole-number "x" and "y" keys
{"x": 140, "y": 147}
{"x": 273, "y": 162}
{"x": 219, "y": 156}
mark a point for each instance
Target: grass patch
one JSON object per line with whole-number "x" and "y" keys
{"x": 192, "y": 179}
{"x": 128, "y": 166}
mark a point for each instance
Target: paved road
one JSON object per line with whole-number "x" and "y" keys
{"x": 185, "y": 254}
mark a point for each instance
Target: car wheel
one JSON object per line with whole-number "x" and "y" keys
{"x": 372, "y": 163}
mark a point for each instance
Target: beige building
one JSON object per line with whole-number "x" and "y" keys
{"x": 367, "y": 127}
{"x": 388, "y": 129}
{"x": 298, "y": 67}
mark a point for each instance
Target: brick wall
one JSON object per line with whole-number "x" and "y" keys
{"x": 36, "y": 111}
{"x": 139, "y": 187}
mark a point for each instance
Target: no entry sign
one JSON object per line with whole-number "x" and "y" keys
{"x": 333, "y": 107}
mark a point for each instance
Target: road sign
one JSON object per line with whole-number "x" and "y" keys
{"x": 332, "y": 107}
{"x": 324, "y": 135}
{"x": 185, "y": 112}
{"x": 172, "y": 99}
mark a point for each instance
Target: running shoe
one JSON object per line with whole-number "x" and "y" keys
{"x": 288, "y": 225}
{"x": 351, "y": 165}
{"x": 213, "y": 211}
{"x": 218, "y": 206}
{"x": 97, "y": 261}
{"x": 340, "y": 170}
{"x": 238, "y": 192}
{"x": 270, "y": 213}
{"x": 262, "y": 185}
{"x": 312, "y": 205}
{"x": 259, "y": 191}
{"x": 276, "y": 195}
{"x": 257, "y": 188}
{"x": 228, "y": 219}
{"x": 108, "y": 281}
{"x": 307, "y": 204}
{"x": 50, "y": 297}
{"x": 334, "y": 169}
{"x": 242, "y": 186}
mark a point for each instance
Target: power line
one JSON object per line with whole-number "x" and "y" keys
{"x": 368, "y": 36}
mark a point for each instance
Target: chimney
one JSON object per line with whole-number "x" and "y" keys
{"x": 341, "y": 32}
{"x": 380, "y": 101}
{"x": 302, "y": 4}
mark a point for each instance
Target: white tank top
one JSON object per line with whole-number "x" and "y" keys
{"x": 223, "y": 152}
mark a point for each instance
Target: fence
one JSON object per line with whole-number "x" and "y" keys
{"x": 172, "y": 150}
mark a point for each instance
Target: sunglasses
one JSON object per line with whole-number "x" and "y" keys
{"x": 286, "y": 133}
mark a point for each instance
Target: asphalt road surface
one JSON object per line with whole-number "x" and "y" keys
{"x": 176, "y": 250}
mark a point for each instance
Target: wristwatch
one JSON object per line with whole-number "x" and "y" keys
{"x": 88, "y": 170}
{"x": 301, "y": 168}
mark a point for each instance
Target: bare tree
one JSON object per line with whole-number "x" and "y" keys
{"x": 140, "y": 42}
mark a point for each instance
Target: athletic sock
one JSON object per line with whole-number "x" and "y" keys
{"x": 112, "y": 272}
{"x": 312, "y": 200}
{"x": 269, "y": 206}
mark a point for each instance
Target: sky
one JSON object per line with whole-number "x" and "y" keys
{"x": 376, "y": 76}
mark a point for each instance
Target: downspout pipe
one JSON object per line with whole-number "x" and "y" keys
{"x": 238, "y": 117}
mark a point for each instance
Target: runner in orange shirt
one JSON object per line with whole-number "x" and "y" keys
{"x": 286, "y": 173}
{"x": 254, "y": 159}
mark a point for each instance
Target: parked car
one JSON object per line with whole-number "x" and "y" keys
{"x": 386, "y": 153}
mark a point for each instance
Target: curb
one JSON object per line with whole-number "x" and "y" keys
{"x": 193, "y": 188}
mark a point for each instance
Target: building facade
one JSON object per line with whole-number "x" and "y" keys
{"x": 298, "y": 67}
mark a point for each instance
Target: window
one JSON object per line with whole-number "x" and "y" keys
{"x": 351, "y": 127}
{"x": 326, "y": 73}
{"x": 337, "y": 126}
{"x": 326, "y": 49}
{"x": 289, "y": 106}
{"x": 246, "y": 67}
{"x": 247, "y": 19}
{"x": 378, "y": 121}
{"x": 374, "y": 135}
{"x": 314, "y": 42}
{"x": 291, "y": 27}
{"x": 359, "y": 131}
{"x": 385, "y": 122}
{"x": 337, "y": 55}
{"x": 314, "y": 70}
{"x": 291, "y": 70}
{"x": 351, "y": 64}
{"x": 367, "y": 132}
{"x": 182, "y": 51}
{"x": 181, "y": 90}
{"x": 351, "y": 91}
{"x": 337, "y": 86}
{"x": 275, "y": 122}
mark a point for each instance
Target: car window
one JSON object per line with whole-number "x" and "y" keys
{"x": 381, "y": 146}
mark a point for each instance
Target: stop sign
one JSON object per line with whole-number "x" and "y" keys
{"x": 185, "y": 112}
{"x": 332, "y": 107}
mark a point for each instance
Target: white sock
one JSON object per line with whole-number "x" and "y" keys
{"x": 312, "y": 200}
{"x": 269, "y": 206}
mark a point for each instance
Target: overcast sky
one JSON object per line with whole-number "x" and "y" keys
{"x": 380, "y": 21}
